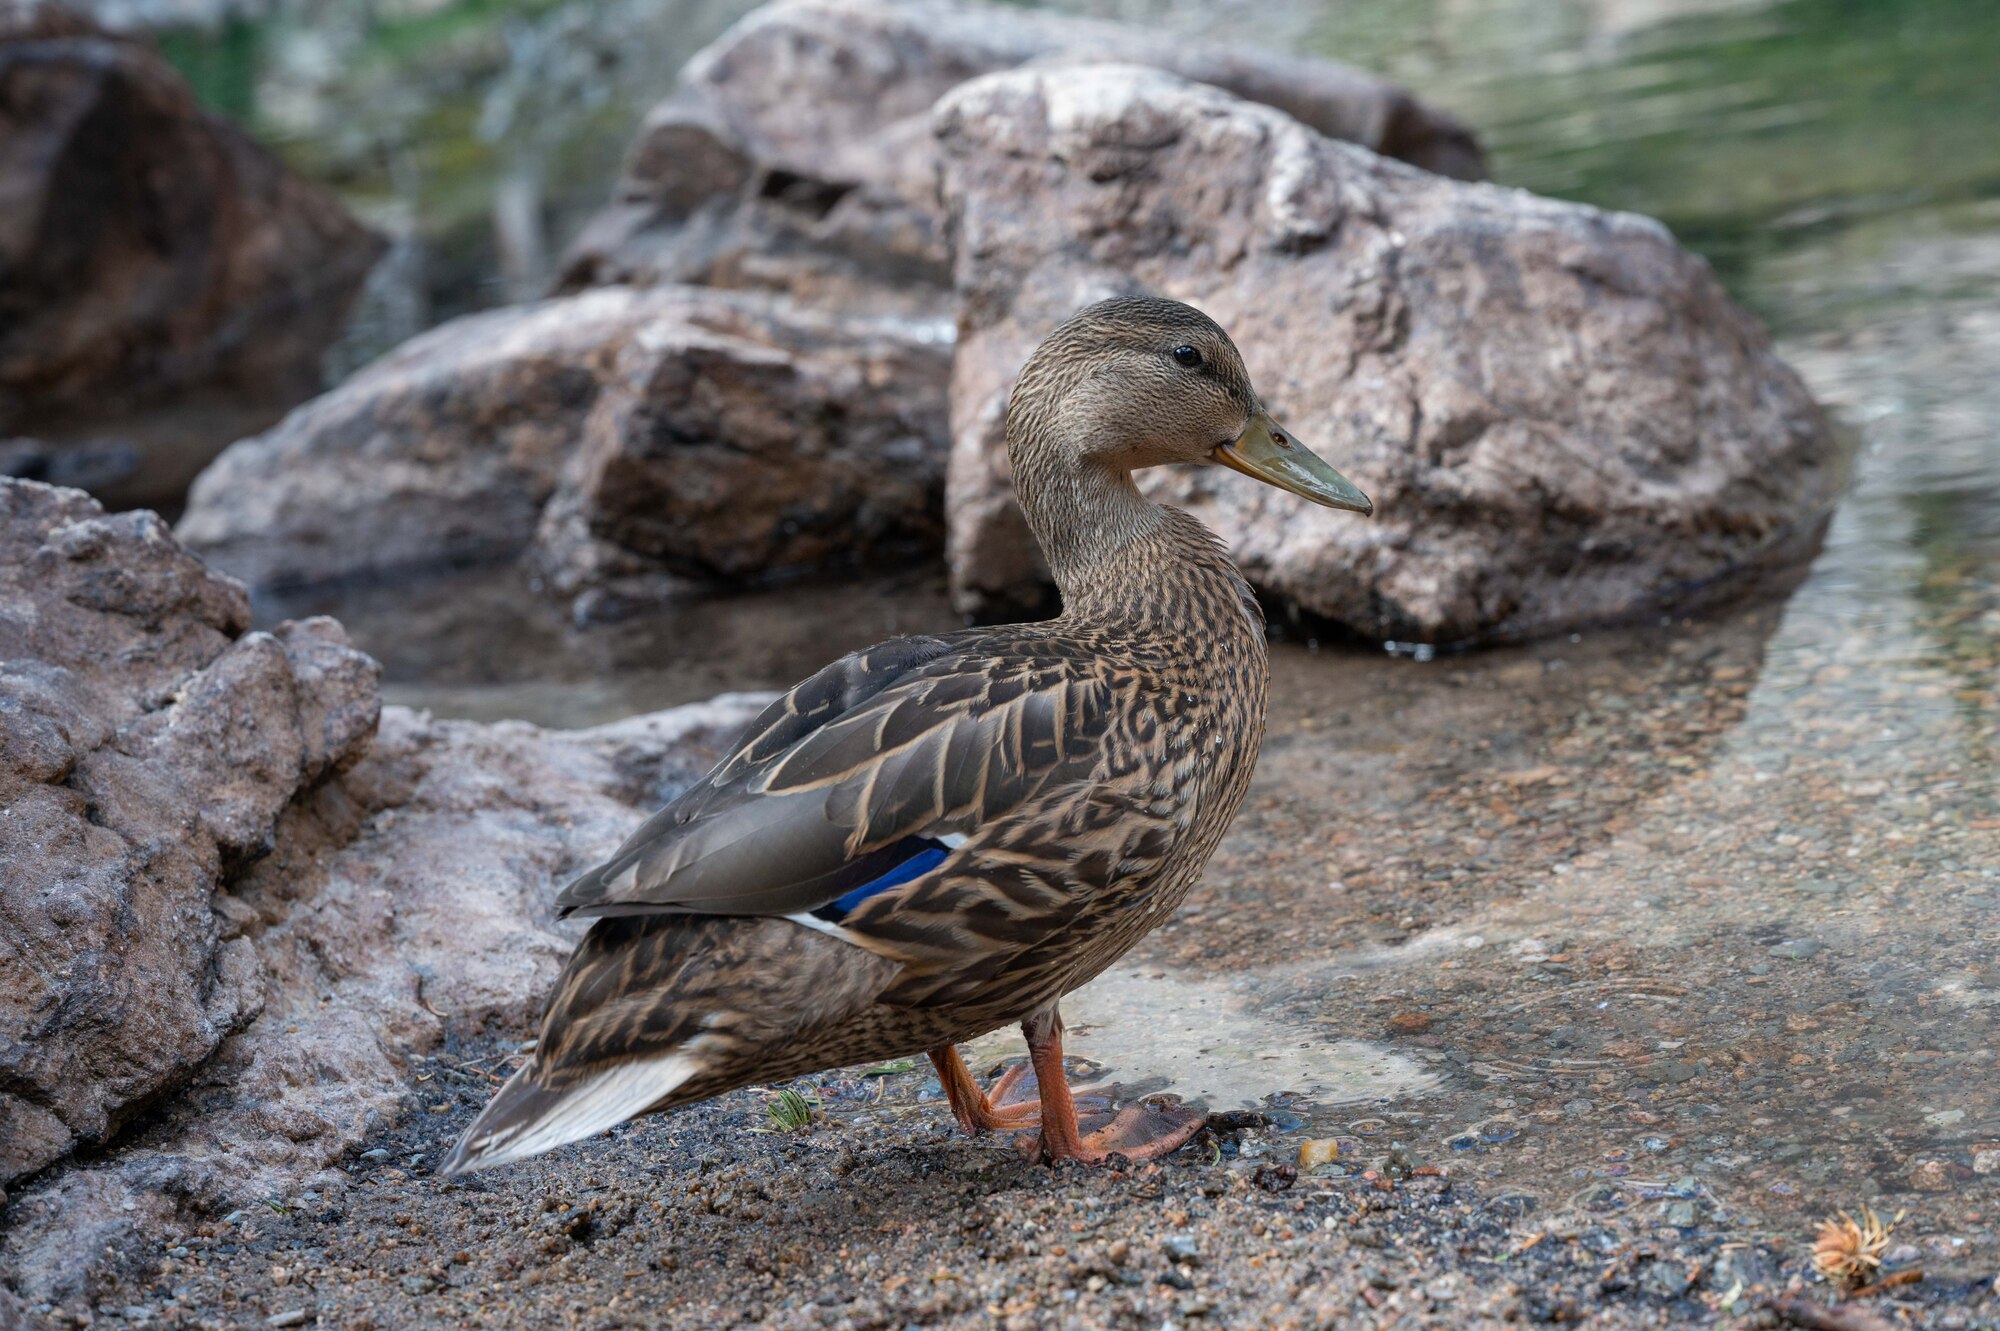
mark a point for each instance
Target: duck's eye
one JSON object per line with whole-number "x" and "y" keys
{"x": 1188, "y": 356}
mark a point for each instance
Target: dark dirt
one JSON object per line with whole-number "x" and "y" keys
{"x": 892, "y": 1219}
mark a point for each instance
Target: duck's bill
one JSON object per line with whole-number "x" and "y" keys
{"x": 1275, "y": 458}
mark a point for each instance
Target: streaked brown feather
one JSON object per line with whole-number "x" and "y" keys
{"x": 964, "y": 736}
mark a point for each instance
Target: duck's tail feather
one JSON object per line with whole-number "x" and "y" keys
{"x": 528, "y": 1117}
{"x": 653, "y": 1007}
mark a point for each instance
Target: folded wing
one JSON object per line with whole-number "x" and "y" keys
{"x": 843, "y": 778}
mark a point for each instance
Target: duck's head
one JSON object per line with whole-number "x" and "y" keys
{"x": 1136, "y": 381}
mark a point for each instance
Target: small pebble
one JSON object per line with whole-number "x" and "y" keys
{"x": 1797, "y": 949}
{"x": 1275, "y": 1178}
{"x": 1318, "y": 1151}
{"x": 295, "y": 1317}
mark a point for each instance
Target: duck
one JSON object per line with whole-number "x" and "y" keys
{"x": 943, "y": 835}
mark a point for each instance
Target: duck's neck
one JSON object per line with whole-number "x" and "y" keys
{"x": 1085, "y": 518}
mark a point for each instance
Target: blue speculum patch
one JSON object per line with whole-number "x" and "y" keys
{"x": 915, "y": 867}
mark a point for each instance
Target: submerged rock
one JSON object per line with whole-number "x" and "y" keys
{"x": 645, "y": 435}
{"x": 93, "y": 466}
{"x": 148, "y": 744}
{"x": 796, "y": 152}
{"x": 1560, "y": 415}
{"x": 149, "y": 248}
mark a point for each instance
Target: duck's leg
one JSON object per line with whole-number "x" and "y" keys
{"x": 1137, "y": 1132}
{"x": 1010, "y": 1104}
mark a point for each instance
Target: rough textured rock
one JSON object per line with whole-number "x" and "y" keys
{"x": 93, "y": 467}
{"x": 407, "y": 898}
{"x": 148, "y": 247}
{"x": 680, "y": 432}
{"x": 796, "y": 152}
{"x": 740, "y": 437}
{"x": 1560, "y": 415}
{"x": 444, "y": 450}
{"x": 148, "y": 744}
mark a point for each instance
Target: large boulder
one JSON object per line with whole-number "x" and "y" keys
{"x": 409, "y": 898}
{"x": 147, "y": 247}
{"x": 666, "y": 433}
{"x": 744, "y": 436}
{"x": 148, "y": 745}
{"x": 443, "y": 451}
{"x": 1561, "y": 416}
{"x": 796, "y": 152}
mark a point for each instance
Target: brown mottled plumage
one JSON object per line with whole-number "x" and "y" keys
{"x": 1060, "y": 786}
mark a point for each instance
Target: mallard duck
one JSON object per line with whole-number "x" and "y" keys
{"x": 939, "y": 836}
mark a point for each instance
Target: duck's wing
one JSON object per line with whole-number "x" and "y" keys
{"x": 855, "y": 774}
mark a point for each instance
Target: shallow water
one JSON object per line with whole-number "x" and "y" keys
{"x": 1147, "y": 1030}
{"x": 1695, "y": 918}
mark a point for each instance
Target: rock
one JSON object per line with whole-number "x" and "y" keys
{"x": 149, "y": 248}
{"x": 796, "y": 153}
{"x": 95, "y": 466}
{"x": 649, "y": 434}
{"x": 1559, "y": 414}
{"x": 1668, "y": 1279}
{"x": 408, "y": 896}
{"x": 442, "y": 451}
{"x": 150, "y": 744}
{"x": 1796, "y": 949}
{"x": 746, "y": 436}
{"x": 1318, "y": 1151}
